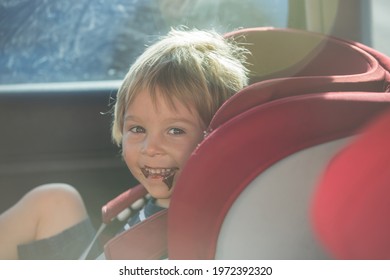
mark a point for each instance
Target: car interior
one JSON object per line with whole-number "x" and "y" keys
{"x": 259, "y": 197}
{"x": 318, "y": 89}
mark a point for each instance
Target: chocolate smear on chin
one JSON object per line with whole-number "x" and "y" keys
{"x": 168, "y": 180}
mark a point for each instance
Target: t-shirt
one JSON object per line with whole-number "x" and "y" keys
{"x": 148, "y": 210}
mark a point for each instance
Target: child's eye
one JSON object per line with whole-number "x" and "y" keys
{"x": 137, "y": 129}
{"x": 176, "y": 131}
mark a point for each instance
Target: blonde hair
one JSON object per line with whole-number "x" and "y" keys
{"x": 198, "y": 68}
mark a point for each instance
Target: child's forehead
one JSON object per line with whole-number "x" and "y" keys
{"x": 160, "y": 100}
{"x": 146, "y": 106}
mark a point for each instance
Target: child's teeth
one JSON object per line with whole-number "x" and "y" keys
{"x": 158, "y": 171}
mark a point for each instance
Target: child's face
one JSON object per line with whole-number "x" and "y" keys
{"x": 157, "y": 141}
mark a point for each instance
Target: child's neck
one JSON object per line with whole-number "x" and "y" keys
{"x": 163, "y": 202}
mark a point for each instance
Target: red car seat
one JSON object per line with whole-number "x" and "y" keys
{"x": 245, "y": 191}
{"x": 288, "y": 62}
{"x": 351, "y": 207}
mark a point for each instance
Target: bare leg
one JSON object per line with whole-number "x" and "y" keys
{"x": 43, "y": 212}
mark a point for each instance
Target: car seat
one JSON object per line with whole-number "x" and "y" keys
{"x": 251, "y": 200}
{"x": 148, "y": 239}
{"x": 266, "y": 147}
{"x": 351, "y": 205}
{"x": 288, "y": 62}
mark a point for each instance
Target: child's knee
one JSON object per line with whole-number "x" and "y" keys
{"x": 60, "y": 207}
{"x": 61, "y": 195}
{"x": 57, "y": 198}
{"x": 57, "y": 189}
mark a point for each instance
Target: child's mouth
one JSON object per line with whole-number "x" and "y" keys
{"x": 166, "y": 174}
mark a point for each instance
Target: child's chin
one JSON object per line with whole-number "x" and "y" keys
{"x": 159, "y": 191}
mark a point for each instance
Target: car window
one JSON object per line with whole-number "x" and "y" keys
{"x": 61, "y": 41}
{"x": 379, "y": 25}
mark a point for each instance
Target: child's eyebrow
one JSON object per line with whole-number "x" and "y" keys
{"x": 168, "y": 120}
{"x": 130, "y": 118}
{"x": 183, "y": 120}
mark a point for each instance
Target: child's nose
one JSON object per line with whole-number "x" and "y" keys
{"x": 152, "y": 145}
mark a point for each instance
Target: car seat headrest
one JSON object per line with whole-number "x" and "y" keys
{"x": 288, "y": 62}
